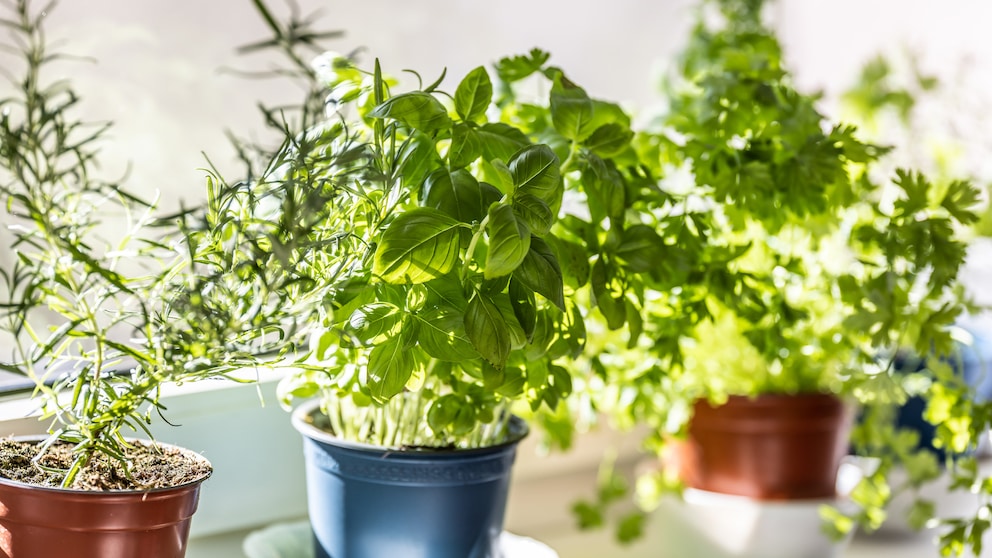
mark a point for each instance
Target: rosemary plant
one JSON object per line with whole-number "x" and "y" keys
{"x": 102, "y": 317}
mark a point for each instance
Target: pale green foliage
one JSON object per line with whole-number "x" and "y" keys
{"x": 897, "y": 108}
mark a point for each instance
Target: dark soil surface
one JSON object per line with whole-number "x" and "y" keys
{"x": 151, "y": 467}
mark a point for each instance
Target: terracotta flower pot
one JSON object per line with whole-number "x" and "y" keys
{"x": 773, "y": 447}
{"x": 42, "y": 522}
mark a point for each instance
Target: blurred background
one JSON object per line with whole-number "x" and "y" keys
{"x": 161, "y": 70}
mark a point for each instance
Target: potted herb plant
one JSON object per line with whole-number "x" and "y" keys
{"x": 780, "y": 274}
{"x": 441, "y": 304}
{"x": 102, "y": 319}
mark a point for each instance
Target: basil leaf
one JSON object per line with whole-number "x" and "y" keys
{"x": 509, "y": 241}
{"x": 474, "y": 94}
{"x": 571, "y": 109}
{"x": 415, "y": 109}
{"x": 640, "y": 248}
{"x": 466, "y": 146}
{"x": 487, "y": 330}
{"x": 608, "y": 140}
{"x": 374, "y": 322}
{"x": 518, "y": 337}
{"x": 573, "y": 261}
{"x": 447, "y": 291}
{"x": 535, "y": 171}
{"x": 540, "y": 273}
{"x": 613, "y": 309}
{"x": 534, "y": 212}
{"x": 418, "y": 246}
{"x": 419, "y": 156}
{"x": 514, "y": 382}
{"x": 443, "y": 336}
{"x": 500, "y": 141}
{"x": 524, "y": 307}
{"x": 455, "y": 193}
{"x": 389, "y": 368}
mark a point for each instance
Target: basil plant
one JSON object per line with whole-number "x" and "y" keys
{"x": 437, "y": 295}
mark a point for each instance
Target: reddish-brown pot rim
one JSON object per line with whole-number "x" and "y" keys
{"x": 185, "y": 485}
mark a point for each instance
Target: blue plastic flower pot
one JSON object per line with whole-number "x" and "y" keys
{"x": 971, "y": 362}
{"x": 371, "y": 502}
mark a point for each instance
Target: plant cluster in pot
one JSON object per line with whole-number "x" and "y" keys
{"x": 441, "y": 305}
{"x": 798, "y": 271}
{"x": 101, "y": 319}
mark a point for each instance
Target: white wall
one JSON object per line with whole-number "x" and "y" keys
{"x": 157, "y": 71}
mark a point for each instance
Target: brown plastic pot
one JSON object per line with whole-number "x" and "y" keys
{"x": 41, "y": 522}
{"x": 773, "y": 447}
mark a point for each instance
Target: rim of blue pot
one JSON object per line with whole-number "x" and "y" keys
{"x": 518, "y": 430}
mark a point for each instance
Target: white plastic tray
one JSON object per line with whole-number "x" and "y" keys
{"x": 292, "y": 540}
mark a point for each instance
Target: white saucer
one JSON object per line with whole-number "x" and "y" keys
{"x": 292, "y": 540}
{"x": 711, "y": 525}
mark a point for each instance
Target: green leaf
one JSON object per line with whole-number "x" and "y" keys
{"x": 419, "y": 157}
{"x": 455, "y": 193}
{"x": 534, "y": 212}
{"x": 443, "y": 336}
{"x": 631, "y": 527}
{"x": 524, "y": 307}
{"x": 588, "y": 515}
{"x": 573, "y": 260}
{"x": 500, "y": 141}
{"x": 635, "y": 324}
{"x": 415, "y": 109}
{"x": 613, "y": 309}
{"x": 920, "y": 513}
{"x": 444, "y": 411}
{"x": 509, "y": 241}
{"x": 641, "y": 248}
{"x": 389, "y": 368}
{"x": 604, "y": 112}
{"x": 535, "y": 171}
{"x": 447, "y": 291}
{"x": 487, "y": 330}
{"x": 606, "y": 189}
{"x": 608, "y": 140}
{"x": 466, "y": 146}
{"x": 474, "y": 94}
{"x": 571, "y": 109}
{"x": 515, "y": 68}
{"x": 418, "y": 246}
{"x": 513, "y": 382}
{"x": 540, "y": 273}
{"x": 560, "y": 381}
{"x": 518, "y": 337}
{"x": 371, "y": 323}
{"x": 960, "y": 201}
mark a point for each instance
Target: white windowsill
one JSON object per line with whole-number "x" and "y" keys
{"x": 258, "y": 478}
